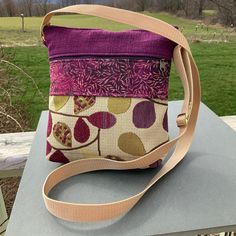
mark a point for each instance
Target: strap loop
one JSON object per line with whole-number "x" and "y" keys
{"x": 182, "y": 120}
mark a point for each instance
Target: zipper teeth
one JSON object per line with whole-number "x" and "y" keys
{"x": 107, "y": 56}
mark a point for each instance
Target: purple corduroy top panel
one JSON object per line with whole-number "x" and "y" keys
{"x": 62, "y": 41}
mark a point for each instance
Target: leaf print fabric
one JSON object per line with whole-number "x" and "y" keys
{"x": 144, "y": 114}
{"x": 49, "y": 129}
{"x": 62, "y": 134}
{"x": 115, "y": 128}
{"x": 60, "y": 101}
{"x": 58, "y": 156}
{"x": 110, "y": 77}
{"x": 118, "y": 105}
{"x": 81, "y": 131}
{"x": 132, "y": 144}
{"x": 82, "y": 103}
{"x": 102, "y": 120}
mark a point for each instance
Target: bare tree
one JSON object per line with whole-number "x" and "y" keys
{"x": 134, "y": 5}
{"x": 27, "y": 6}
{"x": 1, "y": 9}
{"x": 42, "y": 7}
{"x": 171, "y": 6}
{"x": 192, "y": 8}
{"x": 142, "y": 4}
{"x": 125, "y": 4}
{"x": 201, "y": 4}
{"x": 69, "y": 2}
{"x": 226, "y": 11}
{"x": 9, "y": 7}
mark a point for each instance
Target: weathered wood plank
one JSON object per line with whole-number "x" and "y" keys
{"x": 14, "y": 149}
{"x": 230, "y": 120}
{"x": 11, "y": 173}
{"x": 3, "y": 215}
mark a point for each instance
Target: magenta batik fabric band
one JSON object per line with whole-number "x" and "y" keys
{"x": 110, "y": 76}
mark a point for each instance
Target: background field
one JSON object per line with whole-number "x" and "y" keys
{"x": 214, "y": 50}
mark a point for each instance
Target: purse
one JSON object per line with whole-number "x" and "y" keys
{"x": 108, "y": 102}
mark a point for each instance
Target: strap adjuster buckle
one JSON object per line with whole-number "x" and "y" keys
{"x": 182, "y": 120}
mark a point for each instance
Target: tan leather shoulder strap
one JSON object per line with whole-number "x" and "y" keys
{"x": 186, "y": 121}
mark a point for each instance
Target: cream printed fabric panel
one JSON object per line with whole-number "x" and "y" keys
{"x": 109, "y": 127}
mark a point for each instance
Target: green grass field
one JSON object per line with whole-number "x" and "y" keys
{"x": 216, "y": 61}
{"x": 11, "y": 34}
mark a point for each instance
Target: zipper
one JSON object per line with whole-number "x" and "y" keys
{"x": 108, "y": 57}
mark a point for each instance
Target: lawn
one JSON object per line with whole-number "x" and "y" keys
{"x": 11, "y": 34}
{"x": 216, "y": 61}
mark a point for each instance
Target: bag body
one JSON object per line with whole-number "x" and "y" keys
{"x": 108, "y": 93}
{"x": 109, "y": 100}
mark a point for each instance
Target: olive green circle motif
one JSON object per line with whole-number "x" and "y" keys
{"x": 130, "y": 143}
{"x": 60, "y": 101}
{"x": 118, "y": 105}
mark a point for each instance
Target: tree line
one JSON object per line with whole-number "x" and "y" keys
{"x": 226, "y": 10}
{"x": 33, "y": 7}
